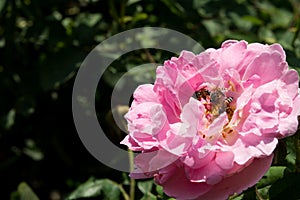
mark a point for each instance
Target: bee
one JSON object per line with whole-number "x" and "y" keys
{"x": 228, "y": 100}
{"x": 218, "y": 102}
{"x": 202, "y": 94}
{"x": 229, "y": 109}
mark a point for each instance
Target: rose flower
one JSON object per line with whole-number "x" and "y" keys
{"x": 208, "y": 126}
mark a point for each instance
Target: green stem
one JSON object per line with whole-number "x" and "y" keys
{"x": 125, "y": 195}
{"x": 132, "y": 181}
{"x": 297, "y": 146}
{"x": 258, "y": 195}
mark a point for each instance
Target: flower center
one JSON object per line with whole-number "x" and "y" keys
{"x": 216, "y": 102}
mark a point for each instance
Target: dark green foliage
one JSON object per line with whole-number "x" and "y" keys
{"x": 24, "y": 192}
{"x": 42, "y": 44}
{"x": 105, "y": 188}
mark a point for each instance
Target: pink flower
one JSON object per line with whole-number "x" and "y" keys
{"x": 208, "y": 126}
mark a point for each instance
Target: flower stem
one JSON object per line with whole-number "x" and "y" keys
{"x": 125, "y": 195}
{"x": 132, "y": 181}
{"x": 297, "y": 146}
{"x": 258, "y": 195}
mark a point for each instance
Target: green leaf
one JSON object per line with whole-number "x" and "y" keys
{"x": 24, "y": 192}
{"x": 130, "y": 2}
{"x": 10, "y": 118}
{"x": 240, "y": 22}
{"x": 145, "y": 186}
{"x": 32, "y": 150}
{"x": 2, "y": 4}
{"x": 254, "y": 20}
{"x": 266, "y": 35}
{"x": 94, "y": 188}
{"x": 272, "y": 175}
{"x": 236, "y": 197}
{"x": 264, "y": 192}
{"x": 126, "y": 180}
{"x": 281, "y": 18}
{"x": 87, "y": 19}
{"x": 174, "y": 7}
{"x": 149, "y": 197}
{"x": 291, "y": 153}
{"x": 213, "y": 27}
{"x": 285, "y": 38}
{"x": 59, "y": 67}
{"x": 159, "y": 190}
{"x": 140, "y": 16}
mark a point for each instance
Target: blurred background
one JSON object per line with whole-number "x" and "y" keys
{"x": 42, "y": 44}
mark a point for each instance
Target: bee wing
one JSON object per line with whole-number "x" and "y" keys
{"x": 217, "y": 96}
{"x": 217, "y": 99}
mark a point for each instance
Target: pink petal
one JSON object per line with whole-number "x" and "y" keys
{"x": 131, "y": 144}
{"x": 291, "y": 80}
{"x": 144, "y": 93}
{"x": 289, "y": 125}
{"x": 179, "y": 186}
{"x": 225, "y": 159}
{"x": 266, "y": 66}
{"x": 240, "y": 181}
{"x": 153, "y": 161}
{"x": 211, "y": 173}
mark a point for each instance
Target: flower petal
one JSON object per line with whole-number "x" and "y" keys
{"x": 239, "y": 181}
